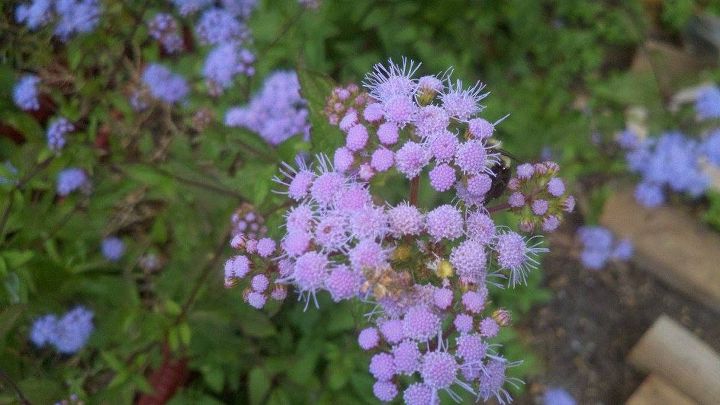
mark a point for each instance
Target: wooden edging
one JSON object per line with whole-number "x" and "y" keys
{"x": 672, "y": 352}
{"x": 671, "y": 244}
{"x": 656, "y": 390}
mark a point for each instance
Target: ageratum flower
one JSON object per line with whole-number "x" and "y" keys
{"x": 70, "y": 180}
{"x": 422, "y": 273}
{"x": 56, "y": 133}
{"x": 164, "y": 28}
{"x": 557, "y": 396}
{"x": 25, "y": 93}
{"x": 112, "y": 248}
{"x": 76, "y": 17}
{"x": 707, "y": 104}
{"x": 36, "y": 14}
{"x": 671, "y": 161}
{"x": 187, "y": 7}
{"x": 217, "y": 26}
{"x": 599, "y": 247}
{"x": 275, "y": 113}
{"x": 239, "y": 8}
{"x": 224, "y": 63}
{"x": 165, "y": 85}
{"x": 67, "y": 334}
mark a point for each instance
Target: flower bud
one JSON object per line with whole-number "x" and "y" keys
{"x": 502, "y": 317}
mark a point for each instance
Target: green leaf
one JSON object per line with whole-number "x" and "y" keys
{"x": 172, "y": 307}
{"x": 112, "y": 361}
{"x": 8, "y": 318}
{"x": 185, "y": 333}
{"x": 41, "y": 391}
{"x": 25, "y": 124}
{"x": 258, "y": 384}
{"x": 257, "y": 324}
{"x": 214, "y": 377}
{"x": 303, "y": 370}
{"x": 315, "y": 88}
{"x": 17, "y": 258}
{"x": 13, "y": 286}
{"x": 279, "y": 397}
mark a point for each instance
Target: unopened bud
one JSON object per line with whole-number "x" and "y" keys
{"x": 502, "y": 317}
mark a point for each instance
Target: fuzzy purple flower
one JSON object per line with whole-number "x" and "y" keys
{"x": 25, "y": 93}
{"x": 165, "y": 85}
{"x": 56, "y": 132}
{"x": 112, "y": 248}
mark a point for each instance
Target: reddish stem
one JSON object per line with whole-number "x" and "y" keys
{"x": 499, "y": 207}
{"x": 414, "y": 189}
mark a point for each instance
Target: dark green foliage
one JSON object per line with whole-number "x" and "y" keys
{"x": 169, "y": 189}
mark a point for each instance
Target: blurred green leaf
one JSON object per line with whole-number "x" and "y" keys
{"x": 258, "y": 385}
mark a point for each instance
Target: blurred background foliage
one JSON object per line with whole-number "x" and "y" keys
{"x": 564, "y": 70}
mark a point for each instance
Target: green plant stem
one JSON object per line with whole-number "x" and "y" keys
{"x": 197, "y": 183}
{"x": 499, "y": 207}
{"x": 34, "y": 171}
{"x": 284, "y": 30}
{"x": 210, "y": 265}
{"x": 18, "y": 391}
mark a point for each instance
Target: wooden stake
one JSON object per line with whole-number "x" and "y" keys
{"x": 669, "y": 350}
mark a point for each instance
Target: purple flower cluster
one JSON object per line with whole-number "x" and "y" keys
{"x": 248, "y": 222}
{"x": 70, "y": 180}
{"x": 238, "y": 8}
{"x": 671, "y": 161}
{"x": 25, "y": 93}
{"x": 56, "y": 133}
{"x": 218, "y": 26}
{"x": 557, "y": 396}
{"x": 71, "y": 16}
{"x": 539, "y": 196}
{"x": 275, "y": 113}
{"x": 187, "y": 7}
{"x": 164, "y": 29}
{"x": 112, "y": 248}
{"x": 423, "y": 273}
{"x": 599, "y": 246}
{"x": 224, "y": 63}
{"x": 707, "y": 104}
{"x": 67, "y": 334}
{"x": 76, "y": 16}
{"x": 164, "y": 85}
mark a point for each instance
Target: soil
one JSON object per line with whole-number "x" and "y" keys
{"x": 586, "y": 331}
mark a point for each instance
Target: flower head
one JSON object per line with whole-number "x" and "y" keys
{"x": 25, "y": 93}
{"x": 112, "y": 248}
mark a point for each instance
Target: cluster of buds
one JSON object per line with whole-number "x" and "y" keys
{"x": 539, "y": 196}
{"x": 249, "y": 264}
{"x": 202, "y": 119}
{"x": 248, "y": 222}
{"x": 344, "y": 99}
{"x": 423, "y": 273}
